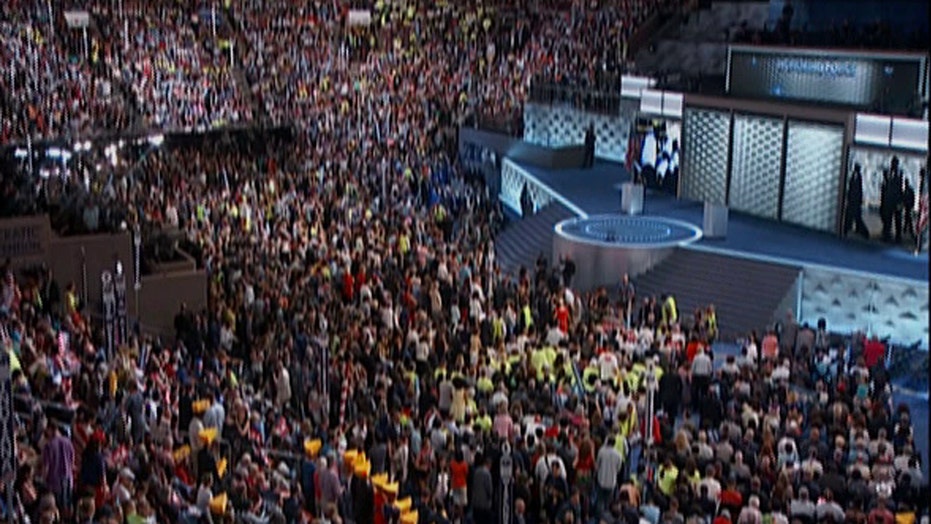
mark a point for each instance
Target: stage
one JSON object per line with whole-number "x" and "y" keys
{"x": 596, "y": 192}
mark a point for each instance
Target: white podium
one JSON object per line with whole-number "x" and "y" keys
{"x": 714, "y": 224}
{"x": 631, "y": 198}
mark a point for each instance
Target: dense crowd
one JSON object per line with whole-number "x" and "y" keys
{"x": 49, "y": 88}
{"x": 364, "y": 359}
{"x": 434, "y": 360}
{"x": 174, "y": 65}
{"x": 180, "y": 75}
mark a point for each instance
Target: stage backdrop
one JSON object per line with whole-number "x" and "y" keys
{"x": 814, "y": 157}
{"x": 558, "y": 125}
{"x": 756, "y": 161}
{"x": 773, "y": 167}
{"x": 705, "y": 148}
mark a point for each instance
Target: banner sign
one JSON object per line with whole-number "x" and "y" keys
{"x": 359, "y": 17}
{"x": 77, "y": 19}
{"x": 24, "y": 237}
{"x": 880, "y": 82}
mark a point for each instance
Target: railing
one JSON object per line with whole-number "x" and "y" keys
{"x": 601, "y": 99}
{"x": 511, "y": 125}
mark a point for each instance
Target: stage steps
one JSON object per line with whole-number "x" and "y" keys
{"x": 523, "y": 239}
{"x": 747, "y": 295}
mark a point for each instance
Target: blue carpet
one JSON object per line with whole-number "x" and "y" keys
{"x": 595, "y": 191}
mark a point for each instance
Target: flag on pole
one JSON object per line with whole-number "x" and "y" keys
{"x": 922, "y": 213}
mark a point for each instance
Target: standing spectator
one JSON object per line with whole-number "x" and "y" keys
{"x": 58, "y": 467}
{"x": 482, "y": 491}
{"x": 608, "y": 465}
{"x": 702, "y": 369}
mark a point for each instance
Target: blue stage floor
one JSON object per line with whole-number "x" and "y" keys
{"x": 595, "y": 191}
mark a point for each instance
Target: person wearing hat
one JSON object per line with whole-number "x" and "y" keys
{"x": 385, "y": 495}
{"x": 309, "y": 473}
{"x": 123, "y": 488}
{"x": 207, "y": 456}
{"x": 362, "y": 493}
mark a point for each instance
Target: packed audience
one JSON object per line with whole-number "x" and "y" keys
{"x": 364, "y": 359}
{"x": 181, "y": 76}
{"x": 51, "y": 85}
{"x": 434, "y": 360}
{"x": 173, "y": 65}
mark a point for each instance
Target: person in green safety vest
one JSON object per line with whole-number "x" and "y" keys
{"x": 666, "y": 477}
{"x": 526, "y": 317}
{"x": 670, "y": 312}
{"x": 590, "y": 377}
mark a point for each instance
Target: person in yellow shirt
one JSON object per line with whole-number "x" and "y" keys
{"x": 670, "y": 312}
{"x": 666, "y": 477}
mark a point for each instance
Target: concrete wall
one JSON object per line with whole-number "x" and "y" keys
{"x": 28, "y": 241}
{"x": 162, "y": 294}
{"x": 100, "y": 253}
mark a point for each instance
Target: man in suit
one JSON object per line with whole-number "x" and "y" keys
{"x": 890, "y": 206}
{"x": 854, "y": 215}
{"x": 590, "y": 146}
{"x": 908, "y": 208}
{"x": 897, "y": 197}
{"x": 482, "y": 491}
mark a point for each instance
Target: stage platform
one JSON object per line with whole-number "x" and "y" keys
{"x": 596, "y": 192}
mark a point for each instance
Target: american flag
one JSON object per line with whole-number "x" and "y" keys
{"x": 922, "y": 213}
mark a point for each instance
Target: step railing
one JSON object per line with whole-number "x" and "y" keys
{"x": 515, "y": 178}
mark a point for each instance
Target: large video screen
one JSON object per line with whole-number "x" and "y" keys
{"x": 653, "y": 152}
{"x": 886, "y": 83}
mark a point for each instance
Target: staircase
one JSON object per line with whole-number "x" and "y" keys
{"x": 523, "y": 239}
{"x": 747, "y": 295}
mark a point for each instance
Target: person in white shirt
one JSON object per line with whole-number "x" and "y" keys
{"x": 608, "y": 365}
{"x": 608, "y": 464}
{"x": 751, "y": 513}
{"x": 648, "y": 151}
{"x": 554, "y": 336}
{"x": 711, "y": 483}
{"x": 812, "y": 464}
{"x": 750, "y": 354}
{"x": 781, "y": 373}
{"x": 545, "y": 466}
{"x": 705, "y": 452}
{"x": 123, "y": 490}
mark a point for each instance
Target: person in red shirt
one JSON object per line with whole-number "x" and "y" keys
{"x": 348, "y": 287}
{"x": 874, "y": 351}
{"x": 723, "y": 518}
{"x": 458, "y": 482}
{"x": 731, "y": 498}
{"x": 881, "y": 514}
{"x": 562, "y": 316}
